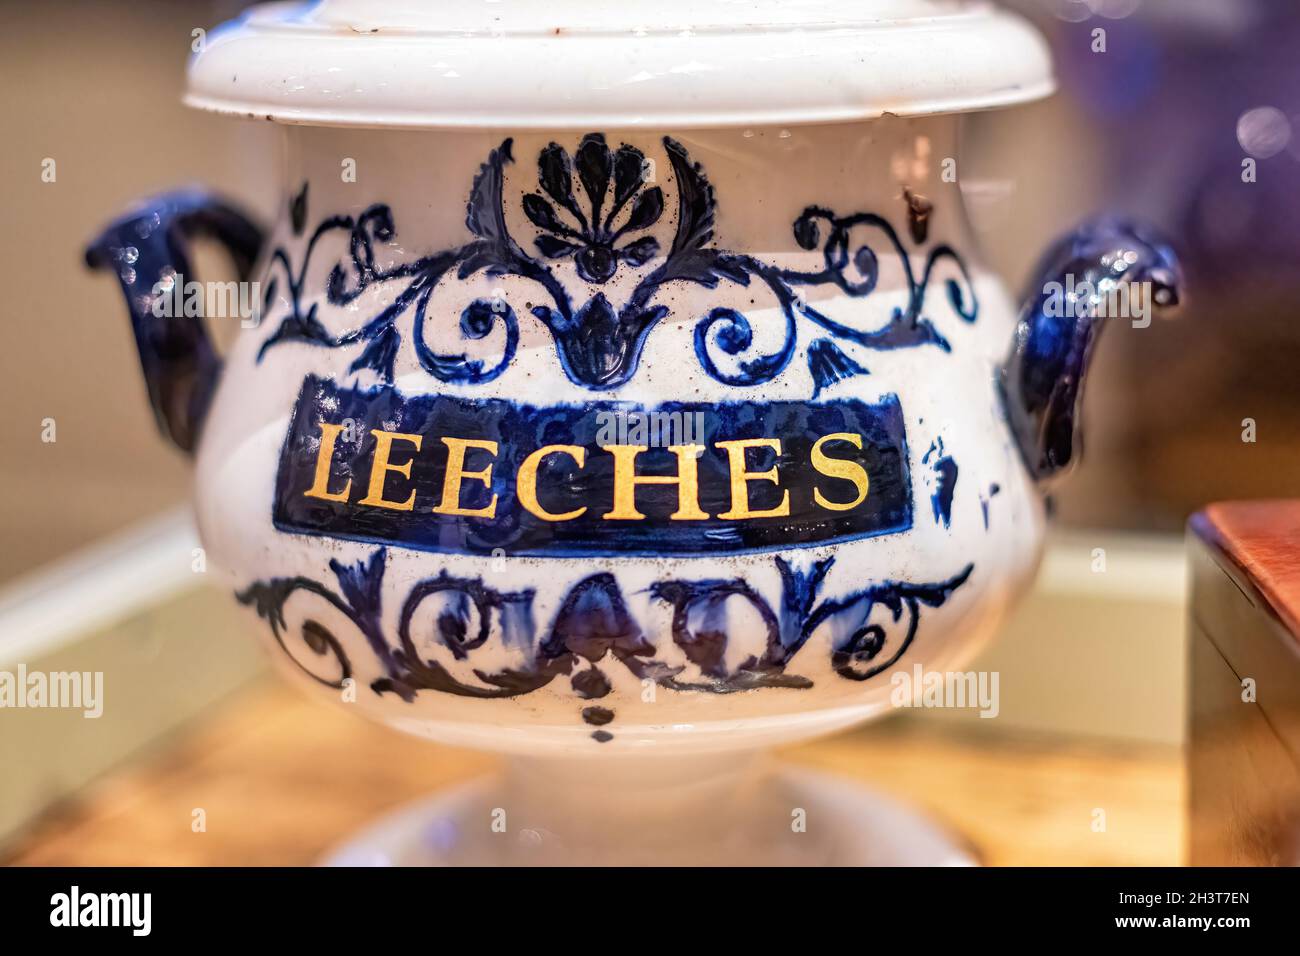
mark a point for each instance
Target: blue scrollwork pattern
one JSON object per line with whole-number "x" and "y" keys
{"x": 604, "y": 227}
{"x": 445, "y": 620}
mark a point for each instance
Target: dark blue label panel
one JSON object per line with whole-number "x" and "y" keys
{"x": 446, "y": 474}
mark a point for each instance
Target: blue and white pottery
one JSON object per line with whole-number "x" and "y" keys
{"x": 625, "y": 379}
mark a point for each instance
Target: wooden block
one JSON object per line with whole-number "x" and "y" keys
{"x": 1244, "y": 759}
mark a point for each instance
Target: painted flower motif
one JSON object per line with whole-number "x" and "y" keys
{"x": 594, "y": 241}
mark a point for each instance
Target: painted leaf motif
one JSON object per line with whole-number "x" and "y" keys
{"x": 554, "y": 173}
{"x": 362, "y": 583}
{"x": 380, "y": 354}
{"x": 594, "y": 620}
{"x": 629, "y": 173}
{"x": 640, "y": 252}
{"x": 694, "y": 200}
{"x": 542, "y": 214}
{"x": 595, "y": 166}
{"x": 554, "y": 248}
{"x": 484, "y": 216}
{"x": 828, "y": 365}
{"x": 599, "y": 343}
{"x": 647, "y": 209}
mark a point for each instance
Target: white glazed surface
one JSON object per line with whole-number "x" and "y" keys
{"x": 763, "y": 178}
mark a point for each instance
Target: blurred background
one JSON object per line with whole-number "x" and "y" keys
{"x": 1157, "y": 126}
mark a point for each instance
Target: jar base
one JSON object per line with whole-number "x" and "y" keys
{"x": 787, "y": 817}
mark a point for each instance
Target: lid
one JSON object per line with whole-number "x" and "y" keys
{"x": 595, "y": 63}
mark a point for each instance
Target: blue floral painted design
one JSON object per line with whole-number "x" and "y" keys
{"x": 594, "y": 627}
{"x": 593, "y": 241}
{"x": 598, "y": 341}
{"x": 829, "y": 365}
{"x": 943, "y": 481}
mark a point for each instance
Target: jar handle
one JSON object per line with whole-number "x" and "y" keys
{"x": 1107, "y": 269}
{"x": 148, "y": 249}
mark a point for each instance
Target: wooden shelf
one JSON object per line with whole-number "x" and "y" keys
{"x": 280, "y": 780}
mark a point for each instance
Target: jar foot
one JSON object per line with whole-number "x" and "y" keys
{"x": 732, "y": 811}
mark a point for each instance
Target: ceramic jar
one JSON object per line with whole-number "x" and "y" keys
{"x": 621, "y": 380}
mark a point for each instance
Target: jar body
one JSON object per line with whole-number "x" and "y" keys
{"x": 787, "y": 327}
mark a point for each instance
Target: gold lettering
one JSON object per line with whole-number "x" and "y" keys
{"x": 840, "y": 468}
{"x": 626, "y": 479}
{"x": 456, "y": 474}
{"x": 381, "y": 466}
{"x": 740, "y": 479}
{"x": 329, "y": 434}
{"x": 527, "y": 480}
